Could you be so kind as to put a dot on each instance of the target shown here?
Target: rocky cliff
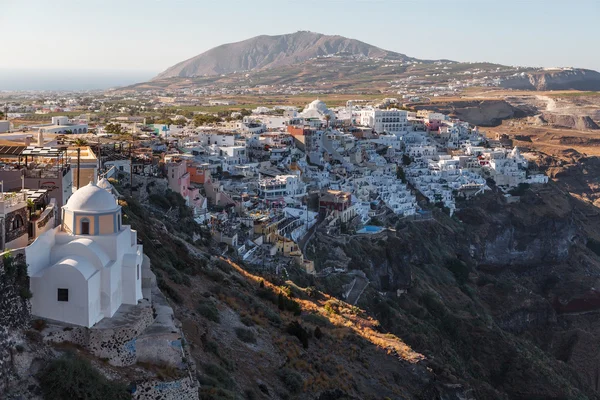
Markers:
(559, 79)
(497, 289)
(480, 113)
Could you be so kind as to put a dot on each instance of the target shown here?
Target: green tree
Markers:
(205, 119)
(400, 174)
(406, 160)
(114, 128)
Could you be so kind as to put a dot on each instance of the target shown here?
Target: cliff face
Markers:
(498, 292)
(569, 79)
(480, 113)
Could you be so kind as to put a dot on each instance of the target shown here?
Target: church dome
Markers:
(92, 199)
(318, 105)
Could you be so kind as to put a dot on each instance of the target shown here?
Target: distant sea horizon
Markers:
(69, 80)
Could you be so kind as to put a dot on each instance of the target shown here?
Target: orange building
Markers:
(198, 173)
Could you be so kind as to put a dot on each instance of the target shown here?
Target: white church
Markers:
(85, 269)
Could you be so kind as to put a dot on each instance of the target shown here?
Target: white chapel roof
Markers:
(93, 199)
(104, 184)
(77, 263)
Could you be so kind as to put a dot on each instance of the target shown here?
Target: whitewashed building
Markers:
(85, 269)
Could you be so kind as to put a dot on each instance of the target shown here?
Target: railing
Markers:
(12, 199)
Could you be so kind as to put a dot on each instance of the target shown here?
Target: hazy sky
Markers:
(151, 35)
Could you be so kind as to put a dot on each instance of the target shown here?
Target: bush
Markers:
(246, 320)
(71, 377)
(594, 246)
(318, 334)
(38, 324)
(220, 375)
(292, 380)
(245, 335)
(295, 329)
(459, 269)
(209, 311)
(317, 320)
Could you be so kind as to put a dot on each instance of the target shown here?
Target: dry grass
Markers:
(347, 321)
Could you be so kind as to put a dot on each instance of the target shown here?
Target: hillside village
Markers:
(263, 180)
(261, 184)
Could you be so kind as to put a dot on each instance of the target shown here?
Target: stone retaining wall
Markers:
(117, 345)
(182, 389)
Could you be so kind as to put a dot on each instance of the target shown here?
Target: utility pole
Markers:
(78, 167)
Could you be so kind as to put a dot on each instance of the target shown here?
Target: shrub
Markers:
(245, 335)
(331, 307)
(71, 377)
(209, 311)
(459, 269)
(317, 320)
(292, 380)
(594, 246)
(295, 329)
(38, 324)
(219, 374)
(212, 347)
(318, 334)
(246, 320)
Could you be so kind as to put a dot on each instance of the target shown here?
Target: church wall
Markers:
(38, 253)
(116, 287)
(78, 219)
(107, 224)
(94, 313)
(45, 300)
(129, 272)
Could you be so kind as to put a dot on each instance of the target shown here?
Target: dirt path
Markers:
(550, 102)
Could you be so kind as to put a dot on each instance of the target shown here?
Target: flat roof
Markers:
(11, 150)
(43, 151)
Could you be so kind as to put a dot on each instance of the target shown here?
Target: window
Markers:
(17, 222)
(85, 226)
(138, 272)
(63, 294)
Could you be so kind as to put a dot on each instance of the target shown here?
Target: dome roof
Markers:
(317, 105)
(92, 199)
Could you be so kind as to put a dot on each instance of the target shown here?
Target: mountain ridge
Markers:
(266, 51)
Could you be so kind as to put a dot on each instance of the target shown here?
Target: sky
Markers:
(151, 35)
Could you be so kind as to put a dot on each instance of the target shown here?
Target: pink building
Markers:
(179, 181)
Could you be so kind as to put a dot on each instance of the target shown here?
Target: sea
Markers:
(69, 80)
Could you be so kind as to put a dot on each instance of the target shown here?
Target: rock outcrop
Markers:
(480, 113)
(568, 121)
(555, 79)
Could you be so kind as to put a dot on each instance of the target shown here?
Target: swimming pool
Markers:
(370, 229)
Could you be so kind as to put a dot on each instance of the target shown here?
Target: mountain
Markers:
(262, 52)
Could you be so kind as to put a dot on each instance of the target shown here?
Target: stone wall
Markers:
(115, 344)
(14, 312)
(181, 389)
(12, 234)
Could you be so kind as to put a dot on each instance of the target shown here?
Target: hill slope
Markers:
(274, 51)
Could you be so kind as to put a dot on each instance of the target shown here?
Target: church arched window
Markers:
(85, 226)
(17, 222)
